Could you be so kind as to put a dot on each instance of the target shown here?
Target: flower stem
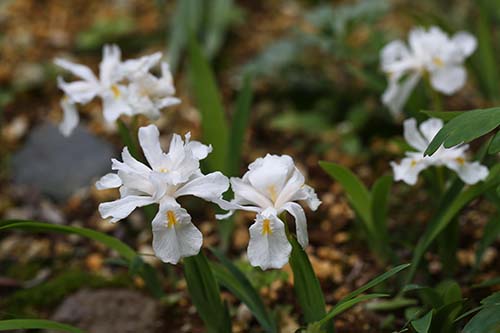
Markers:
(434, 95)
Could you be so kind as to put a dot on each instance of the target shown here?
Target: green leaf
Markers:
(233, 279)
(448, 212)
(372, 283)
(484, 58)
(123, 249)
(495, 144)
(493, 299)
(488, 283)
(444, 317)
(423, 324)
(187, 16)
(136, 264)
(343, 306)
(205, 294)
(239, 127)
(128, 139)
(379, 204)
(486, 321)
(444, 115)
(220, 13)
(490, 234)
(356, 192)
(36, 324)
(465, 128)
(213, 121)
(306, 286)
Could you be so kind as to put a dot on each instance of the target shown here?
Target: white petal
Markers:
(429, 129)
(300, 222)
(79, 70)
(110, 180)
(109, 68)
(413, 136)
(408, 169)
(307, 194)
(121, 208)
(292, 186)
(250, 194)
(199, 150)
(149, 139)
(448, 80)
(270, 174)
(166, 102)
(114, 106)
(397, 93)
(393, 52)
(70, 117)
(469, 172)
(466, 42)
(268, 246)
(140, 66)
(209, 187)
(79, 91)
(174, 236)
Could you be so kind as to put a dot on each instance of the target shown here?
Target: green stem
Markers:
(306, 284)
(205, 294)
(433, 95)
(128, 139)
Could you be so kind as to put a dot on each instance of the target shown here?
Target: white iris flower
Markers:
(428, 53)
(271, 186)
(453, 158)
(125, 88)
(168, 176)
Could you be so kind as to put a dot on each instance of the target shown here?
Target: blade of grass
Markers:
(208, 101)
(37, 324)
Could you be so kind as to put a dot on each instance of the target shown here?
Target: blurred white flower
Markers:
(168, 176)
(453, 158)
(121, 86)
(428, 53)
(271, 186)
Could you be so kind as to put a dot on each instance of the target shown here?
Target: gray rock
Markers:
(58, 166)
(110, 310)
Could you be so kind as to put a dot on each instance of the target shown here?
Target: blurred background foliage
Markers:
(316, 81)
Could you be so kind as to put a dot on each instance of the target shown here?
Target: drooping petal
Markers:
(448, 80)
(81, 71)
(121, 208)
(429, 129)
(469, 172)
(208, 187)
(174, 235)
(308, 195)
(110, 180)
(198, 149)
(79, 91)
(70, 117)
(408, 169)
(268, 246)
(300, 222)
(413, 137)
(397, 93)
(166, 102)
(149, 139)
(466, 42)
